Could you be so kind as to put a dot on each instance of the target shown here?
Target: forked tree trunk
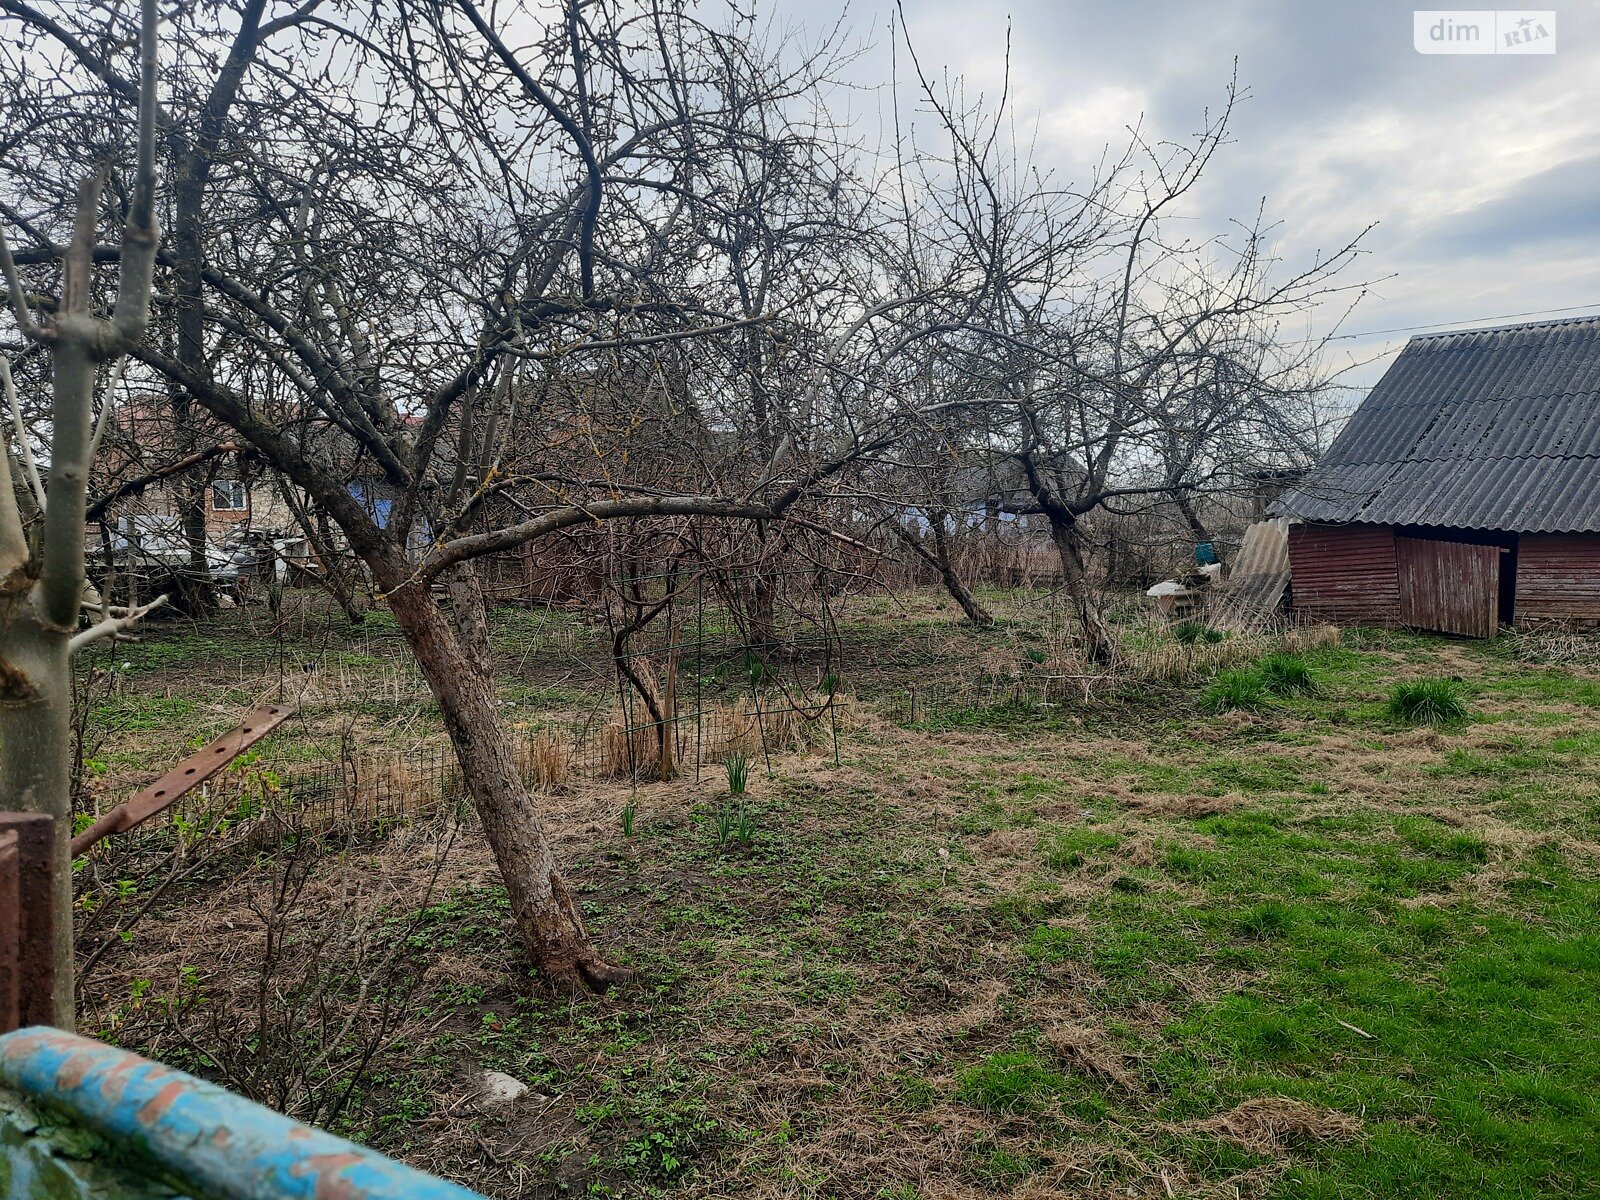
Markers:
(543, 908)
(1098, 639)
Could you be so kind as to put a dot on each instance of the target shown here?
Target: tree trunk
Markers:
(36, 755)
(939, 559)
(197, 592)
(1098, 639)
(640, 677)
(762, 611)
(1191, 518)
(542, 906)
(471, 615)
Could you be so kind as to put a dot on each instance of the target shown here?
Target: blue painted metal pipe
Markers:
(204, 1135)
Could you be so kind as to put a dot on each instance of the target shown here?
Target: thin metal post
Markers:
(699, 667)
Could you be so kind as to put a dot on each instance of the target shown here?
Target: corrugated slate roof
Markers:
(1474, 429)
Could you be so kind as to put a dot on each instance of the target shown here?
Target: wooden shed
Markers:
(1464, 494)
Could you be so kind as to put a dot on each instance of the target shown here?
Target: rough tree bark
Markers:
(471, 614)
(542, 906)
(1099, 641)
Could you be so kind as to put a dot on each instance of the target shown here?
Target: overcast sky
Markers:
(1482, 172)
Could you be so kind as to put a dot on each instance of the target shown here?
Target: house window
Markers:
(227, 495)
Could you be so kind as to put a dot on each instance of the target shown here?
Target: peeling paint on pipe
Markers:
(205, 1136)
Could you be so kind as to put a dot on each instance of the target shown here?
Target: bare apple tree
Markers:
(42, 581)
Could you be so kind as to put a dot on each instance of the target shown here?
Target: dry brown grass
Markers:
(1269, 1124)
(1556, 647)
(807, 1082)
(629, 751)
(1300, 638)
(547, 761)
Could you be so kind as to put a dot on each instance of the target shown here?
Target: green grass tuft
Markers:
(1428, 702)
(1010, 1082)
(1190, 633)
(1287, 675)
(1235, 690)
(738, 768)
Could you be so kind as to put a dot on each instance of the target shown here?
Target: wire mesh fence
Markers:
(682, 695)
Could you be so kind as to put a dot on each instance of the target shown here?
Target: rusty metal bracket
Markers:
(185, 777)
(27, 927)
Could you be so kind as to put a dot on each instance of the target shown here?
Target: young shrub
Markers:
(1193, 633)
(1286, 675)
(1234, 691)
(738, 768)
(1428, 702)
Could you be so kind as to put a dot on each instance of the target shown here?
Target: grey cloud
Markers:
(1560, 205)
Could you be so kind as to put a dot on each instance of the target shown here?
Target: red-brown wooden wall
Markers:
(1558, 576)
(1345, 573)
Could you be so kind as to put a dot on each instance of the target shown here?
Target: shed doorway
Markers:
(1449, 587)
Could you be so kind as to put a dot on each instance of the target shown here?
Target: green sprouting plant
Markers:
(1286, 675)
(1234, 691)
(757, 670)
(629, 811)
(1191, 633)
(1428, 702)
(734, 824)
(738, 768)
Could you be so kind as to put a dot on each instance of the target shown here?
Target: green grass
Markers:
(131, 712)
(1316, 904)
(1428, 702)
(1011, 1082)
(1237, 690)
(1286, 675)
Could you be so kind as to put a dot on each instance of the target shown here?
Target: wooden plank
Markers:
(186, 776)
(1449, 587)
(27, 925)
(1558, 576)
(1345, 573)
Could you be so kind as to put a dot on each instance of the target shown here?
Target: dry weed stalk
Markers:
(1309, 637)
(547, 761)
(310, 989)
(629, 751)
(1555, 647)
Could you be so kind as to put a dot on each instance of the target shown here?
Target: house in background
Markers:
(139, 535)
(1465, 492)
